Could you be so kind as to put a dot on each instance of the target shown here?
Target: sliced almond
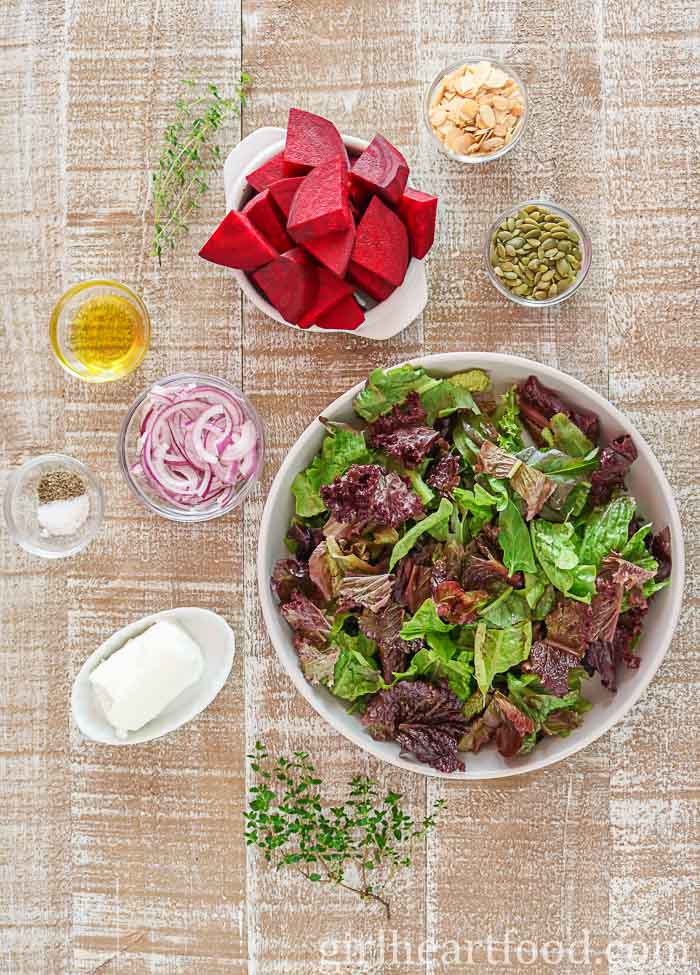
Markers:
(501, 103)
(481, 72)
(487, 117)
(516, 110)
(490, 145)
(500, 130)
(462, 143)
(465, 85)
(496, 78)
(455, 110)
(438, 116)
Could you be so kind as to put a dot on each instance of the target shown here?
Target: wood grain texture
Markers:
(98, 844)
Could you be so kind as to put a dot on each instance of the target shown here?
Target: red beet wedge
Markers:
(381, 243)
(346, 314)
(331, 290)
(320, 205)
(284, 191)
(381, 169)
(369, 283)
(263, 212)
(311, 140)
(418, 211)
(289, 284)
(333, 250)
(272, 171)
(237, 243)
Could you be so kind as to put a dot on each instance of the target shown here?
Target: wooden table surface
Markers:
(99, 844)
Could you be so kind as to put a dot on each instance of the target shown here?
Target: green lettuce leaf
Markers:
(555, 548)
(305, 488)
(540, 596)
(634, 549)
(434, 521)
(356, 671)
(507, 609)
(514, 539)
(445, 398)
(567, 437)
(425, 620)
(496, 651)
(385, 389)
(607, 529)
(355, 676)
(475, 380)
(443, 660)
(507, 420)
(555, 461)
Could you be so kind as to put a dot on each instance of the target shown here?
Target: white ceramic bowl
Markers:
(215, 639)
(381, 322)
(646, 482)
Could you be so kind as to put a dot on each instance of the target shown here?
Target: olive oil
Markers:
(100, 331)
(106, 333)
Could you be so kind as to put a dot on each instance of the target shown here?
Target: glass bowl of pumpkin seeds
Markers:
(537, 253)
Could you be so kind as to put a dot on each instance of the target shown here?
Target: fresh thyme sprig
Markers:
(190, 153)
(358, 845)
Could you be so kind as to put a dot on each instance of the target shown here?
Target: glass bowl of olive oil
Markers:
(100, 331)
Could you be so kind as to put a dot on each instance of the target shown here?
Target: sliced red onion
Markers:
(196, 445)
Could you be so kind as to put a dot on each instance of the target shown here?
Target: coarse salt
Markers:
(63, 517)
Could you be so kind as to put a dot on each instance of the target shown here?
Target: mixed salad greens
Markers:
(464, 561)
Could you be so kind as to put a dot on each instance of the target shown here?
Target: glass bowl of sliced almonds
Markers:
(476, 109)
(537, 253)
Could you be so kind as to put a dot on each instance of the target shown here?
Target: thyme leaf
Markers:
(190, 154)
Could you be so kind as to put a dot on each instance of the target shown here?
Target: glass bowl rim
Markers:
(586, 253)
(180, 515)
(14, 481)
(86, 287)
(477, 159)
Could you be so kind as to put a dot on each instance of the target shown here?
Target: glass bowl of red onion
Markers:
(191, 447)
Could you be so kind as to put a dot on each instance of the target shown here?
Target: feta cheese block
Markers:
(139, 680)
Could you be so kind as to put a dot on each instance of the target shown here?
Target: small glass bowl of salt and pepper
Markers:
(53, 506)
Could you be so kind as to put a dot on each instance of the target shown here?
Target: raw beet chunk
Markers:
(290, 284)
(418, 211)
(346, 314)
(320, 205)
(331, 290)
(333, 250)
(381, 169)
(272, 171)
(311, 140)
(237, 243)
(381, 243)
(284, 191)
(369, 283)
(263, 212)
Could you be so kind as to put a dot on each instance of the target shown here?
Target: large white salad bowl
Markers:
(647, 483)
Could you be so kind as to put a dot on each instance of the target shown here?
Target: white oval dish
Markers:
(381, 322)
(646, 482)
(216, 641)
